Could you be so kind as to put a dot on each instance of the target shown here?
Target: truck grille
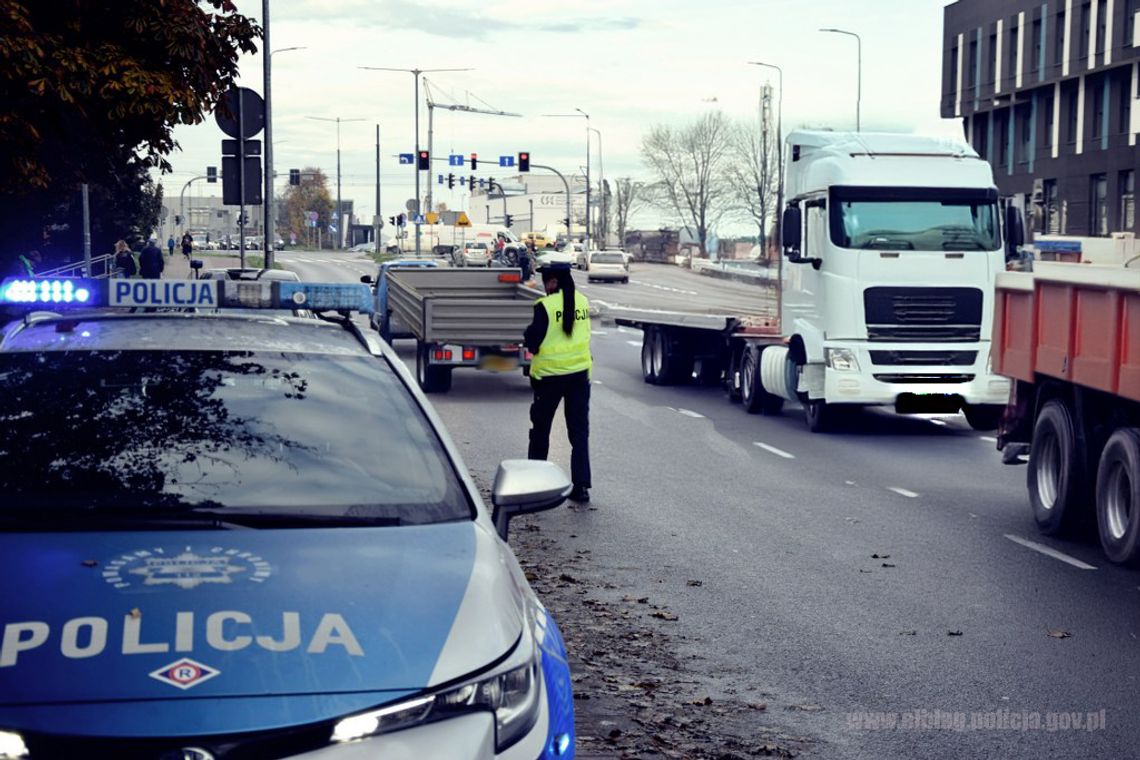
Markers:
(923, 314)
(924, 379)
(924, 358)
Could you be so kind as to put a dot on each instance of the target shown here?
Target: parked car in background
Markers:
(607, 266)
(474, 255)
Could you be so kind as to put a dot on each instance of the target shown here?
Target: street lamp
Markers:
(601, 187)
(574, 116)
(338, 121)
(270, 213)
(416, 76)
(859, 82)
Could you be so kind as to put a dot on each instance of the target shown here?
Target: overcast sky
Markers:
(628, 63)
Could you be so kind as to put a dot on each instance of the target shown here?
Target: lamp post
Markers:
(270, 212)
(859, 80)
(416, 77)
(604, 224)
(580, 112)
(338, 120)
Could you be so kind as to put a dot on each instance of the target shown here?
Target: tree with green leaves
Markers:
(90, 92)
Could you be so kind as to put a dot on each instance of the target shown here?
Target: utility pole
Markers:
(378, 220)
(415, 76)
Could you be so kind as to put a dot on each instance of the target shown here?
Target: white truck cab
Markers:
(893, 243)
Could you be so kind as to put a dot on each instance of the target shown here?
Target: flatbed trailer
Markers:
(462, 318)
(1068, 336)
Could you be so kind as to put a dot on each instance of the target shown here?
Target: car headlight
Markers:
(12, 746)
(511, 694)
(842, 360)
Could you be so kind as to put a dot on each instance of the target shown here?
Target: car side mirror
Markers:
(524, 486)
(366, 279)
(790, 232)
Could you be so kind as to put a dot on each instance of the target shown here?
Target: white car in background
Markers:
(607, 266)
(551, 256)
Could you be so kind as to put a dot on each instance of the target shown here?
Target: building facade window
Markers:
(1129, 23)
(1001, 130)
(1101, 25)
(1051, 217)
(1047, 137)
(991, 67)
(1011, 53)
(972, 65)
(1038, 52)
(1086, 22)
(1094, 96)
(1124, 105)
(1059, 38)
(1025, 135)
(1098, 205)
(1071, 116)
(1127, 187)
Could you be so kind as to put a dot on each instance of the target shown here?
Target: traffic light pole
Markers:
(566, 185)
(416, 220)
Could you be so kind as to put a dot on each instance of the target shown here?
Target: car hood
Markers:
(324, 621)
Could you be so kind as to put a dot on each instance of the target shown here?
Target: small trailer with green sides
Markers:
(1068, 335)
(461, 318)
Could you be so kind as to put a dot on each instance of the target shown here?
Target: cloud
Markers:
(465, 24)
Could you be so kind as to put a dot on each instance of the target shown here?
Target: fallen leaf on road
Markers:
(758, 706)
(865, 571)
(567, 578)
(806, 708)
(880, 556)
(663, 615)
(696, 583)
(1057, 633)
(705, 701)
(953, 633)
(908, 633)
(888, 564)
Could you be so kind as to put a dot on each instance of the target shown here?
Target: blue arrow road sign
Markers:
(407, 158)
(440, 180)
(455, 160)
(506, 160)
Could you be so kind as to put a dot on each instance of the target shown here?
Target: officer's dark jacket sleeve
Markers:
(536, 332)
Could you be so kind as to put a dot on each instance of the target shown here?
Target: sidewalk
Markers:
(178, 266)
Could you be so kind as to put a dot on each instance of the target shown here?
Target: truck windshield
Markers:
(914, 219)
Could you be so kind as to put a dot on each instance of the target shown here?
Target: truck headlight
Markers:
(841, 359)
(511, 694)
(12, 746)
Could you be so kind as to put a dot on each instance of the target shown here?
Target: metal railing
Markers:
(101, 267)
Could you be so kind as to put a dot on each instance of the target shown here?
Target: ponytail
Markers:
(566, 285)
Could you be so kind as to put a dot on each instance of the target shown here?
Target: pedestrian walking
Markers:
(187, 245)
(170, 245)
(525, 263)
(151, 262)
(124, 260)
(559, 339)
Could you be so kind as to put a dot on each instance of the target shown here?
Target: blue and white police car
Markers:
(228, 533)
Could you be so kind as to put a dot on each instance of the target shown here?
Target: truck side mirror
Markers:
(790, 228)
(1014, 232)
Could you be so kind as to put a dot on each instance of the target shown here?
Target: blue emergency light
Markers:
(185, 294)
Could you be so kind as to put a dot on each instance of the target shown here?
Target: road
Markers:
(888, 568)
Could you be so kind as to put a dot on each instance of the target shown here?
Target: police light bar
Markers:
(186, 294)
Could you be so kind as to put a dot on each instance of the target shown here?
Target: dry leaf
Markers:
(888, 564)
(880, 556)
(696, 583)
(953, 633)
(1057, 633)
(662, 615)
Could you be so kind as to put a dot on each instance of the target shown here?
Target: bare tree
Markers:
(688, 165)
(629, 197)
(753, 175)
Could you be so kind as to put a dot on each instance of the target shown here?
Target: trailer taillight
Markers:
(468, 354)
(443, 355)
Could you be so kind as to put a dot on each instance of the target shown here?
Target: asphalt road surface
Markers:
(865, 582)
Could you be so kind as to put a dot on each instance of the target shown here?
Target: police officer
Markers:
(559, 338)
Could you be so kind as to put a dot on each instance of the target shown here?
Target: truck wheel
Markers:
(983, 417)
(819, 415)
(670, 366)
(647, 372)
(755, 399)
(431, 379)
(732, 377)
(1056, 470)
(1118, 497)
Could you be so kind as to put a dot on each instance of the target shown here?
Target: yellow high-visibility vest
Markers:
(562, 354)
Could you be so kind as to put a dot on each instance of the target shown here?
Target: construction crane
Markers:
(432, 105)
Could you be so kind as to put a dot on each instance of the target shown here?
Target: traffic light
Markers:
(178, 219)
(294, 176)
(507, 220)
(424, 162)
(392, 221)
(474, 161)
(450, 181)
(471, 183)
(211, 174)
(524, 162)
(566, 221)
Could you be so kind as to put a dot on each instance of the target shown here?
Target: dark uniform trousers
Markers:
(575, 391)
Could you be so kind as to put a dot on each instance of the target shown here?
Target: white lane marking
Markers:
(628, 331)
(987, 438)
(599, 332)
(665, 288)
(903, 492)
(807, 292)
(634, 343)
(1049, 552)
(774, 450)
(689, 413)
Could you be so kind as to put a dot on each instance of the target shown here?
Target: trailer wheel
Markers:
(983, 417)
(1118, 497)
(1056, 470)
(755, 398)
(670, 366)
(430, 378)
(647, 372)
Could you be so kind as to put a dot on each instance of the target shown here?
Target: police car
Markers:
(243, 535)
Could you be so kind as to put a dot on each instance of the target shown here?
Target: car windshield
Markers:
(211, 429)
(914, 219)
